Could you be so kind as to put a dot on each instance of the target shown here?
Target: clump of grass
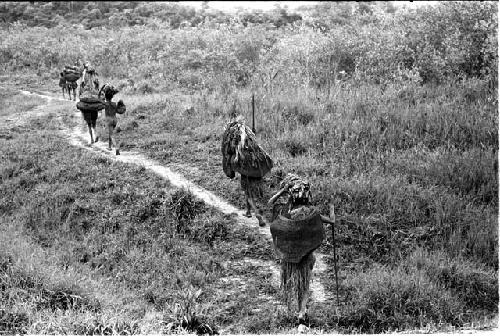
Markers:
(184, 207)
(208, 229)
(189, 314)
(21, 288)
(391, 300)
(97, 327)
(294, 147)
(475, 286)
(150, 206)
(66, 298)
(297, 114)
(13, 322)
(44, 219)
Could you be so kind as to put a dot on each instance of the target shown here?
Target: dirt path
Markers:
(80, 139)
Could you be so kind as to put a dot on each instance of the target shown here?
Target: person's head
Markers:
(109, 91)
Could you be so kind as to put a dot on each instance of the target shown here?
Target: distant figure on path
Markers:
(297, 230)
(241, 153)
(68, 80)
(90, 103)
(110, 111)
(71, 86)
(62, 84)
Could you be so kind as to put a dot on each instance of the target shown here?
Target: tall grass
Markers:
(411, 169)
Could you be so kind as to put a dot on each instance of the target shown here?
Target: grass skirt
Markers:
(295, 279)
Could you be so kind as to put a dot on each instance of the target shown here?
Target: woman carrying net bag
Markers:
(90, 102)
(297, 230)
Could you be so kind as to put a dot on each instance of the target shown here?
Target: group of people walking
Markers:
(92, 99)
(296, 226)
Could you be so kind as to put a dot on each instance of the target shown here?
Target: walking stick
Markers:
(332, 216)
(253, 113)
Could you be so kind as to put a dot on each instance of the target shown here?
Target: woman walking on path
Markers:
(241, 153)
(297, 231)
(90, 104)
(62, 84)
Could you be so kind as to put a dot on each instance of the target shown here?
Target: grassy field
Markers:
(412, 172)
(92, 246)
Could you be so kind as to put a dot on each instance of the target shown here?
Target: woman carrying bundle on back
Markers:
(90, 103)
(297, 231)
(241, 153)
(70, 76)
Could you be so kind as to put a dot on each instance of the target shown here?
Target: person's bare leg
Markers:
(247, 201)
(96, 137)
(303, 306)
(302, 301)
(110, 136)
(90, 132)
(115, 143)
(94, 125)
(259, 214)
(63, 92)
(74, 94)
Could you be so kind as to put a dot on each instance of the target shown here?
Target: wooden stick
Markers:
(332, 216)
(253, 113)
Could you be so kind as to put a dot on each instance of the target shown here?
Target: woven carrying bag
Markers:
(90, 107)
(71, 73)
(293, 239)
(71, 76)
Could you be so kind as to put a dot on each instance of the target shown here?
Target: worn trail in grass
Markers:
(79, 138)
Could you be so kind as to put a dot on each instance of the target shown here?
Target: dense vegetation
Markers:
(390, 111)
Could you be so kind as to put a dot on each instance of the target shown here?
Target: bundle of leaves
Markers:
(297, 188)
(242, 153)
(302, 212)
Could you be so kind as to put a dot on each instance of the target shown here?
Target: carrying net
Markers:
(297, 234)
(295, 240)
(241, 153)
(90, 107)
